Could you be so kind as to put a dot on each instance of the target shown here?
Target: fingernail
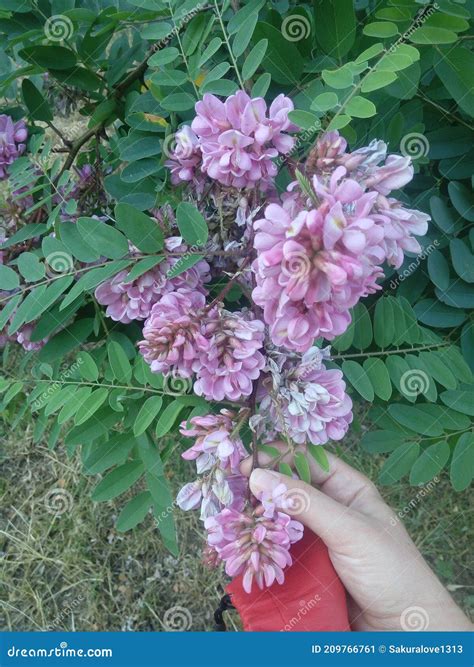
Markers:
(261, 479)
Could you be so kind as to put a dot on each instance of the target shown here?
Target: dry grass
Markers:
(75, 572)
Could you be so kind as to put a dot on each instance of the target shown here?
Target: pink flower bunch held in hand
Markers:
(254, 542)
(251, 537)
(299, 261)
(12, 142)
(234, 142)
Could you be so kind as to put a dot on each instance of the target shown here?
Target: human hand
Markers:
(389, 584)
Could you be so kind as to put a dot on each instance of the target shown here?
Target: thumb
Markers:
(333, 522)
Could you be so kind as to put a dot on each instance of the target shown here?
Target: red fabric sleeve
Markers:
(312, 597)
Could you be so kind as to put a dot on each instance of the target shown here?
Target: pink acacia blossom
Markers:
(234, 142)
(12, 142)
(305, 401)
(319, 253)
(186, 156)
(232, 360)
(133, 300)
(311, 269)
(215, 440)
(218, 451)
(172, 334)
(254, 542)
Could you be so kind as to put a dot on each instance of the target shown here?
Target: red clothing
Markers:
(312, 597)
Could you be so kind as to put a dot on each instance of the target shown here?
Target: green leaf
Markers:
(37, 106)
(134, 512)
(30, 267)
(338, 78)
(109, 453)
(142, 231)
(432, 35)
(261, 85)
(119, 362)
(359, 107)
(72, 404)
(370, 53)
(436, 314)
(455, 68)
(168, 417)
(244, 34)
(415, 419)
(49, 57)
(358, 378)
(462, 464)
(379, 377)
(91, 405)
(460, 400)
(375, 80)
(304, 119)
(362, 327)
(379, 442)
(254, 59)
(76, 245)
(381, 29)
(136, 146)
(438, 369)
(9, 279)
(191, 224)
(178, 102)
(108, 241)
(87, 366)
(463, 260)
(67, 340)
(285, 469)
(431, 461)
(147, 414)
(118, 481)
(213, 46)
(399, 463)
(325, 102)
(282, 60)
(142, 266)
(99, 425)
(302, 467)
(438, 268)
(319, 455)
(384, 323)
(335, 22)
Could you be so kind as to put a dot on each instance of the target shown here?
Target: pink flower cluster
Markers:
(303, 400)
(133, 300)
(254, 542)
(233, 142)
(12, 142)
(250, 537)
(218, 451)
(182, 336)
(319, 252)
